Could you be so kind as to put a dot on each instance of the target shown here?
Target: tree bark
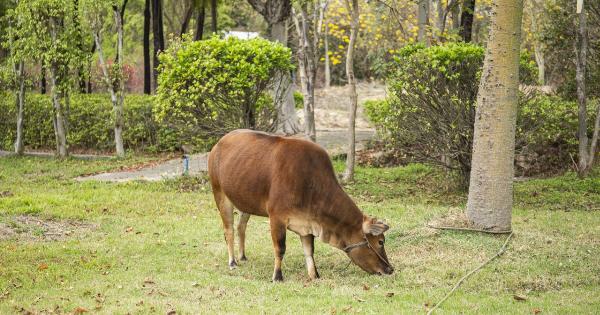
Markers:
(466, 20)
(58, 118)
(146, 43)
(200, 21)
(327, 61)
(587, 148)
(159, 39)
(20, 98)
(120, 84)
(423, 21)
(43, 83)
(213, 15)
(489, 204)
(186, 19)
(350, 157)
(538, 46)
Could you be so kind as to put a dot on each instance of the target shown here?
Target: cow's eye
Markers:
(381, 242)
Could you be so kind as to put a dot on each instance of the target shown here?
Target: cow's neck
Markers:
(344, 224)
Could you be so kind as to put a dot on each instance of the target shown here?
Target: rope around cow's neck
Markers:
(350, 247)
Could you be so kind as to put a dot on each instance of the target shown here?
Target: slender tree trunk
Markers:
(327, 61)
(489, 205)
(440, 19)
(538, 46)
(186, 19)
(455, 10)
(146, 40)
(200, 22)
(159, 40)
(20, 97)
(466, 20)
(307, 71)
(213, 15)
(43, 83)
(587, 150)
(60, 131)
(120, 88)
(423, 21)
(350, 157)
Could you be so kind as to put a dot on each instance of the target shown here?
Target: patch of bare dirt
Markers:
(331, 105)
(32, 228)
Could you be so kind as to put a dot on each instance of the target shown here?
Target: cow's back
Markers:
(254, 170)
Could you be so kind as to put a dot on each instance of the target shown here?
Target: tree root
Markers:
(499, 253)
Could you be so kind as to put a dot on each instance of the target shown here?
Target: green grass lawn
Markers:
(154, 247)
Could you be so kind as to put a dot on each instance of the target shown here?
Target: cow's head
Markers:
(369, 254)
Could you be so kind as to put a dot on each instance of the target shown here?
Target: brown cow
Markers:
(292, 182)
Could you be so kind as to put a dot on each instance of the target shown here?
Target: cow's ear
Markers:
(374, 227)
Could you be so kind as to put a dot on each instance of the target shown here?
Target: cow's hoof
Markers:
(243, 258)
(277, 276)
(232, 265)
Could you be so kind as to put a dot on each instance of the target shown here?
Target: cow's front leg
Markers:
(308, 244)
(278, 230)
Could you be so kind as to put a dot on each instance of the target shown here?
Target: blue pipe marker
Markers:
(186, 164)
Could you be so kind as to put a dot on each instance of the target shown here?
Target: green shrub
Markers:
(207, 88)
(431, 108)
(298, 100)
(90, 123)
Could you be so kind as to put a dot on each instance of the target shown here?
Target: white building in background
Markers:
(241, 34)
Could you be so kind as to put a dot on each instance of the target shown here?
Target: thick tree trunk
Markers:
(327, 61)
(200, 22)
(159, 39)
(213, 15)
(146, 43)
(466, 20)
(423, 21)
(20, 98)
(350, 157)
(489, 205)
(286, 109)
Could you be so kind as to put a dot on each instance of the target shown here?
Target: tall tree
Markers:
(489, 205)
(350, 157)
(146, 43)
(587, 147)
(535, 10)
(466, 20)
(17, 77)
(213, 15)
(308, 24)
(200, 16)
(159, 38)
(327, 61)
(276, 13)
(423, 21)
(113, 77)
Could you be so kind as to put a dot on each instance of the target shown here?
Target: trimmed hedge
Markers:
(90, 124)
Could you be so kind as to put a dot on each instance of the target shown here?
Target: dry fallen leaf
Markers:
(43, 266)
(389, 294)
(171, 312)
(79, 310)
(129, 229)
(359, 299)
(536, 310)
(148, 281)
(520, 297)
(347, 308)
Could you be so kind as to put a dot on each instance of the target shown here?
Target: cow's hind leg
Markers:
(278, 230)
(226, 210)
(308, 244)
(241, 228)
